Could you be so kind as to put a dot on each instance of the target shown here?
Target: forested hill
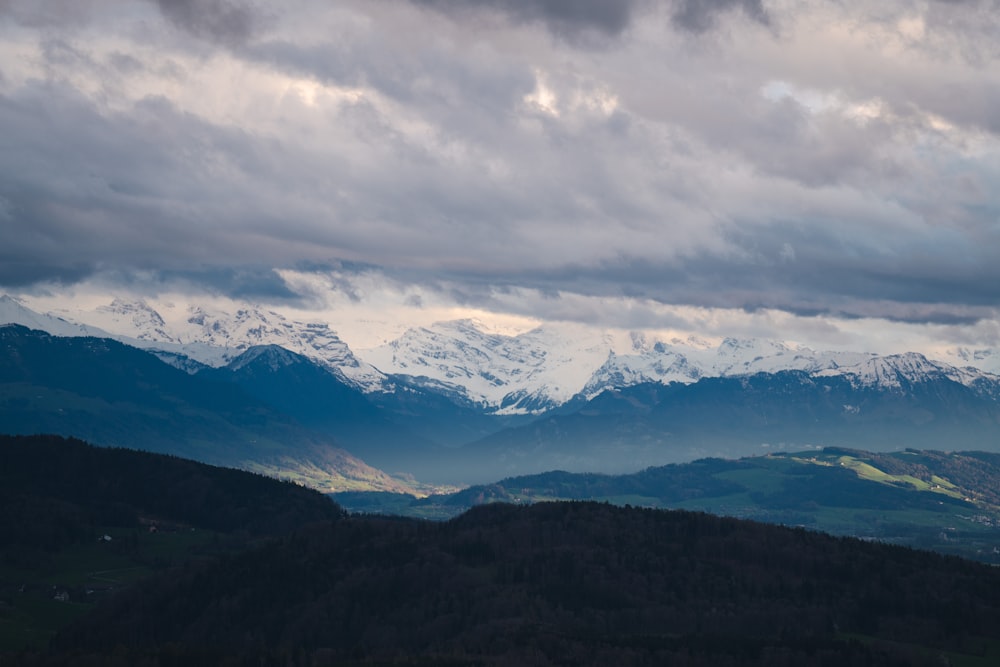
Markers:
(57, 490)
(79, 524)
(557, 584)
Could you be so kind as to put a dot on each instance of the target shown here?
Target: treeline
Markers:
(55, 491)
(553, 584)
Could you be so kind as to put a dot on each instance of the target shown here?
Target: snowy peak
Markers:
(900, 371)
(138, 316)
(213, 337)
(745, 347)
(13, 311)
(889, 372)
(660, 364)
(749, 356)
(526, 373)
(245, 328)
(547, 366)
(457, 355)
(520, 374)
(230, 334)
(736, 356)
(688, 361)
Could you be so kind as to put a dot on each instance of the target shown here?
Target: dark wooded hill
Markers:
(555, 584)
(80, 523)
(54, 491)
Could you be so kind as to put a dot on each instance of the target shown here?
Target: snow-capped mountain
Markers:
(522, 374)
(658, 363)
(530, 372)
(898, 371)
(13, 311)
(691, 359)
(233, 333)
(545, 367)
(747, 356)
(209, 336)
(137, 317)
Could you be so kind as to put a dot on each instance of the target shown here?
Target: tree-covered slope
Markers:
(559, 584)
(103, 486)
(80, 523)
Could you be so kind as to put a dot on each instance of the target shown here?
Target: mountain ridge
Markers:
(524, 374)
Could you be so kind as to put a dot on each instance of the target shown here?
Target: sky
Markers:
(815, 171)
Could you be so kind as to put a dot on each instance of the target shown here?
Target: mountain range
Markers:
(455, 403)
(528, 373)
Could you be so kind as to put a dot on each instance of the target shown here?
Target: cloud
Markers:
(566, 19)
(610, 19)
(225, 21)
(52, 13)
(495, 166)
(257, 284)
(701, 15)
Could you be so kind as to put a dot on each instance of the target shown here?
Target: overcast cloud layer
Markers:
(538, 157)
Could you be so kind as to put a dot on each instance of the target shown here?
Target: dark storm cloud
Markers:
(17, 270)
(801, 288)
(246, 282)
(572, 18)
(701, 15)
(224, 21)
(562, 17)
